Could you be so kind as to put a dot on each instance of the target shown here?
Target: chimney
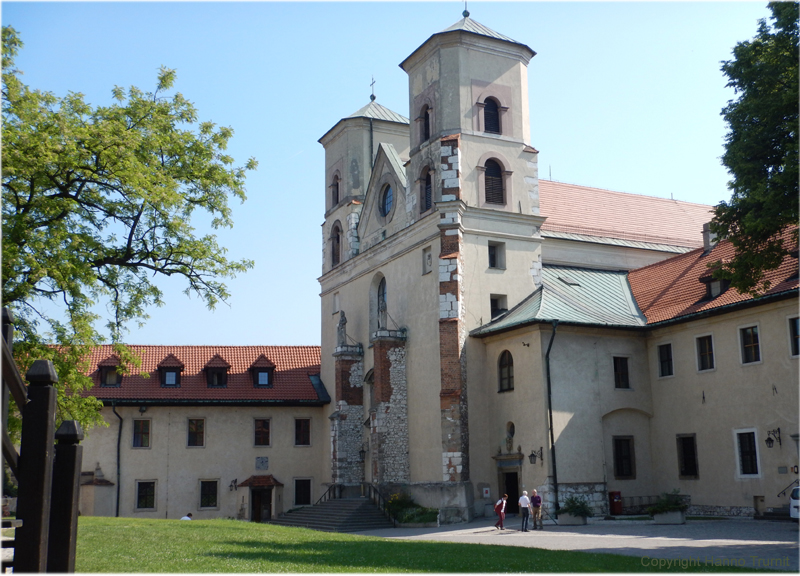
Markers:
(709, 238)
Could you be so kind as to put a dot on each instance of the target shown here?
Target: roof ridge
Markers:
(637, 194)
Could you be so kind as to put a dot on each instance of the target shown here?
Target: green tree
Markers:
(761, 150)
(97, 201)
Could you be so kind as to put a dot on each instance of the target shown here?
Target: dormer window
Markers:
(170, 377)
(109, 377)
(217, 377)
(263, 371)
(714, 287)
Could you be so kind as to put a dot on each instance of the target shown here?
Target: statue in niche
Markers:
(382, 315)
(341, 330)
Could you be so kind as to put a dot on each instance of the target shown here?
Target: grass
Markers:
(138, 545)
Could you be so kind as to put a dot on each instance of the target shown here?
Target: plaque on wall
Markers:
(262, 462)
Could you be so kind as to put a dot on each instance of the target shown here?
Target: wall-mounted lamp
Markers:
(534, 454)
(142, 409)
(233, 485)
(362, 454)
(773, 434)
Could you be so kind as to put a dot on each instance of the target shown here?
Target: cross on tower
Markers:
(372, 84)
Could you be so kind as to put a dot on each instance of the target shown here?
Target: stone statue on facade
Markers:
(341, 330)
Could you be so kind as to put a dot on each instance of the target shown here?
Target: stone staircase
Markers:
(337, 515)
(775, 514)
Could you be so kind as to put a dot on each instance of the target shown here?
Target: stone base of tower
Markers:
(453, 499)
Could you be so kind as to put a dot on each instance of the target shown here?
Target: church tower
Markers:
(439, 237)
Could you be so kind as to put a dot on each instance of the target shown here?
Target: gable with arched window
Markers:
(505, 372)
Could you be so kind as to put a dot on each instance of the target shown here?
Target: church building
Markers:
(480, 330)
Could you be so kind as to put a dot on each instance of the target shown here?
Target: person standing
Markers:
(500, 509)
(536, 507)
(524, 509)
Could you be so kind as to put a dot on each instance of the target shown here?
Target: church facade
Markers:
(472, 313)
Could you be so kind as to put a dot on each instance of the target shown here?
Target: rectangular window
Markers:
(624, 462)
(262, 432)
(621, 372)
(687, 456)
(302, 492)
(705, 353)
(748, 456)
(110, 377)
(302, 432)
(750, 350)
(141, 433)
(497, 305)
(170, 378)
(208, 494)
(427, 261)
(217, 378)
(794, 335)
(196, 432)
(665, 360)
(146, 495)
(497, 255)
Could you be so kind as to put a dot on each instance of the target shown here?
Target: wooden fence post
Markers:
(36, 468)
(66, 494)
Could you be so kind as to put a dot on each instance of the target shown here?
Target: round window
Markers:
(386, 201)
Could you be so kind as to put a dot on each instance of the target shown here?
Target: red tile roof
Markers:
(296, 375)
(260, 481)
(672, 288)
(604, 213)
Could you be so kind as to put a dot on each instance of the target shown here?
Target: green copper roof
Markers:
(378, 112)
(574, 295)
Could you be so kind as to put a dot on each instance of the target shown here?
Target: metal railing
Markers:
(333, 492)
(371, 491)
(792, 485)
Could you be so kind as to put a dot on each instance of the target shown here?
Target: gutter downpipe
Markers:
(550, 415)
(119, 441)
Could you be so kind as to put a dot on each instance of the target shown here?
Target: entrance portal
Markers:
(260, 504)
(511, 487)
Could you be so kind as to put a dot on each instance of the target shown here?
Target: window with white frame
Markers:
(665, 367)
(751, 351)
(705, 352)
(141, 433)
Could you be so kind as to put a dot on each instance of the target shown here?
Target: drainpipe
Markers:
(119, 441)
(550, 414)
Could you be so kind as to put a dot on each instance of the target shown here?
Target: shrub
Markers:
(402, 508)
(577, 506)
(668, 502)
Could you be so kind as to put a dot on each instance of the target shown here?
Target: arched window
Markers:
(426, 192)
(336, 245)
(495, 194)
(491, 116)
(505, 369)
(386, 200)
(425, 116)
(335, 191)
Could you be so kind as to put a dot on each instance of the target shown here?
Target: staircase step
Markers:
(338, 515)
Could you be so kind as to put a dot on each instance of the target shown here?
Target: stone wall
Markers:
(595, 493)
(389, 417)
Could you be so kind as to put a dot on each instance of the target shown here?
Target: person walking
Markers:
(524, 509)
(536, 508)
(500, 509)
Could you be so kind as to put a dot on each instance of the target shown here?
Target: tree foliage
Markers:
(97, 202)
(761, 150)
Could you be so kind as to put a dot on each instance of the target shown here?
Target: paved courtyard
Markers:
(739, 542)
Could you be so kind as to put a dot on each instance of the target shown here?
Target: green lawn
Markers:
(136, 545)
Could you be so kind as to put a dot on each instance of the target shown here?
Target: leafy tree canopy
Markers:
(97, 202)
(761, 150)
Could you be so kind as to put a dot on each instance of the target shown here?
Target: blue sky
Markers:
(623, 96)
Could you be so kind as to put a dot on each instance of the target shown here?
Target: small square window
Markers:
(141, 433)
(262, 377)
(262, 432)
(217, 377)
(170, 377)
(705, 353)
(665, 360)
(621, 379)
(109, 377)
(302, 432)
(750, 348)
(208, 493)
(145, 495)
(196, 432)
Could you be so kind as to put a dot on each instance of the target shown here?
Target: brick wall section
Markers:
(452, 331)
(389, 418)
(346, 422)
(451, 167)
